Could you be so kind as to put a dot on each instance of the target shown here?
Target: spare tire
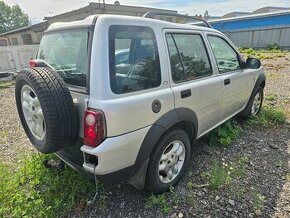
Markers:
(46, 109)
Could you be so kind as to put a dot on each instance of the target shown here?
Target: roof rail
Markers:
(153, 14)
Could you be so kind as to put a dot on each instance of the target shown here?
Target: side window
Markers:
(188, 57)
(134, 59)
(226, 57)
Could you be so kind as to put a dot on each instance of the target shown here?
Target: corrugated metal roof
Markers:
(252, 16)
(274, 19)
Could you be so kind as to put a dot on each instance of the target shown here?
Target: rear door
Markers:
(193, 82)
(236, 81)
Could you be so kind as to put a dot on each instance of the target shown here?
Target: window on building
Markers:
(14, 41)
(188, 57)
(134, 59)
(226, 57)
(26, 38)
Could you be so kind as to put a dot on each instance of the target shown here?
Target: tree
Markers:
(12, 17)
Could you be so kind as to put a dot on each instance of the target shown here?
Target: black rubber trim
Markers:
(261, 78)
(164, 123)
(74, 157)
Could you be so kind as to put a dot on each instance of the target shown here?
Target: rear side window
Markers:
(188, 57)
(134, 59)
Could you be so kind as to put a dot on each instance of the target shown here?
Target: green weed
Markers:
(222, 174)
(273, 47)
(35, 191)
(225, 134)
(6, 84)
(268, 116)
(271, 97)
(259, 200)
(160, 201)
(217, 177)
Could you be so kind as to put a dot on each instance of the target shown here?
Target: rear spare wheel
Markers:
(46, 109)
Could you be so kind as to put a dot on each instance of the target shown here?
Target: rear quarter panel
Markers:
(126, 112)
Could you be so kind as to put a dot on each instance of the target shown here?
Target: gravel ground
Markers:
(261, 190)
(13, 141)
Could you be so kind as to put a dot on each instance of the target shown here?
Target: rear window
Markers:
(134, 59)
(67, 52)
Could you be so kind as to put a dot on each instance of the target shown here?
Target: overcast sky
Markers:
(37, 9)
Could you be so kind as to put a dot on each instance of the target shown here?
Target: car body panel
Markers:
(130, 119)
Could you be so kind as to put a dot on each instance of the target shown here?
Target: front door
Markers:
(193, 82)
(235, 79)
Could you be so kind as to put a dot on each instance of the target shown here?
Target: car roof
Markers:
(91, 20)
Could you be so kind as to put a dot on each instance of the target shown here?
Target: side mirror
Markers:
(253, 63)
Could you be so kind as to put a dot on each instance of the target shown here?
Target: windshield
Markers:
(67, 53)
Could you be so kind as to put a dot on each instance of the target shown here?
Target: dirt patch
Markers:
(278, 82)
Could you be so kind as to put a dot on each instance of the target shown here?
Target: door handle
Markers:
(227, 81)
(185, 93)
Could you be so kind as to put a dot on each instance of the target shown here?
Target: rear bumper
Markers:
(115, 154)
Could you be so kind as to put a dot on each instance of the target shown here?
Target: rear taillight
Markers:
(32, 63)
(94, 127)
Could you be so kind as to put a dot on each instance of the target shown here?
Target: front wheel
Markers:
(169, 161)
(254, 106)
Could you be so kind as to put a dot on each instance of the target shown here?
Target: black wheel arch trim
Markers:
(163, 124)
(261, 78)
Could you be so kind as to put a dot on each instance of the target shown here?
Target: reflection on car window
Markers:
(226, 57)
(188, 57)
(134, 59)
(67, 52)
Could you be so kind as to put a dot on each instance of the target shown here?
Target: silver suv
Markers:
(124, 98)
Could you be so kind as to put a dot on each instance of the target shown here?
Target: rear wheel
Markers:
(46, 109)
(169, 161)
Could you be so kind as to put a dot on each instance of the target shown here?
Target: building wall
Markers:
(18, 38)
(95, 8)
(14, 58)
(261, 38)
(257, 32)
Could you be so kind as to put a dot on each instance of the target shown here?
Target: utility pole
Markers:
(104, 7)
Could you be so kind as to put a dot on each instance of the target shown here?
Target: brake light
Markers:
(94, 127)
(32, 63)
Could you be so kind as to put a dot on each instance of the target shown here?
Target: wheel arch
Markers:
(182, 118)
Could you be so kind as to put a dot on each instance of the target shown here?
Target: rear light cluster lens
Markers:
(32, 63)
(94, 127)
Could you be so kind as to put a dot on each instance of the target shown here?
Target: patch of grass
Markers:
(35, 191)
(259, 200)
(3, 136)
(159, 201)
(279, 163)
(217, 177)
(222, 174)
(102, 203)
(273, 47)
(6, 84)
(225, 134)
(265, 54)
(270, 97)
(268, 116)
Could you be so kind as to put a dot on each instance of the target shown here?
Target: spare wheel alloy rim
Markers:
(171, 161)
(33, 112)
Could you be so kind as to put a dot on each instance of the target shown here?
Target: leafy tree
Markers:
(12, 17)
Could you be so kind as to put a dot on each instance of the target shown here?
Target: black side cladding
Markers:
(61, 120)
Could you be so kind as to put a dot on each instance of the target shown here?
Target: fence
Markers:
(15, 58)
(261, 38)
